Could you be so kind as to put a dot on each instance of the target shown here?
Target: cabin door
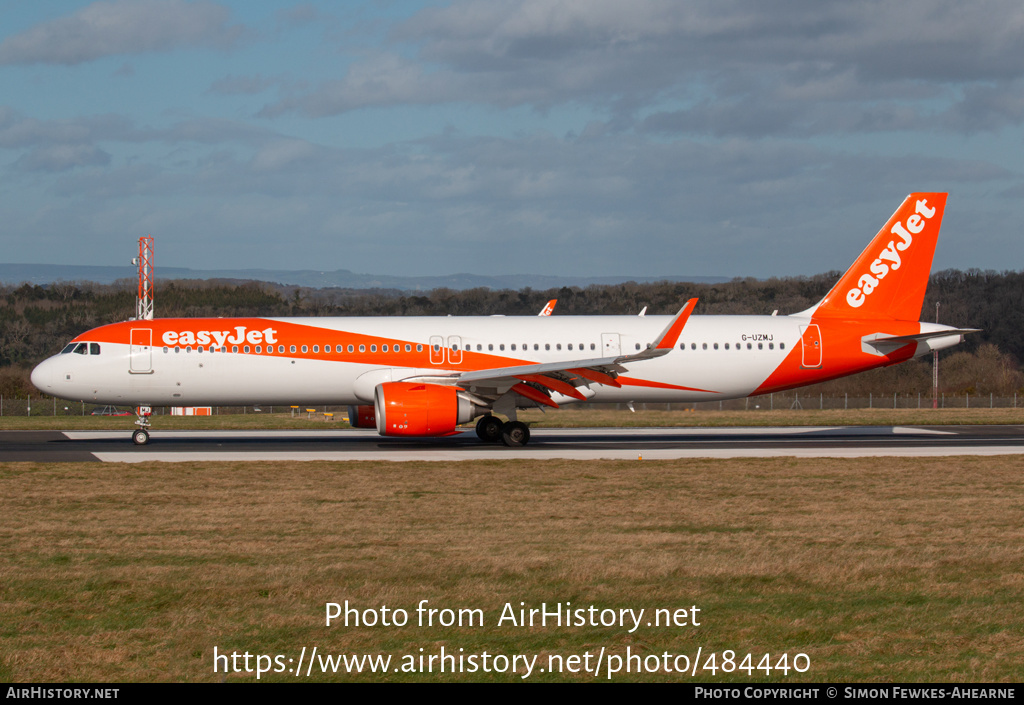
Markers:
(811, 339)
(141, 351)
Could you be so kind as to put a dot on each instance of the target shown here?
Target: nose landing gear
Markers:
(140, 436)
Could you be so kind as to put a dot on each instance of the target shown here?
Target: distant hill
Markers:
(341, 278)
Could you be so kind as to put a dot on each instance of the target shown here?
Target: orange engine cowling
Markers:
(362, 416)
(416, 409)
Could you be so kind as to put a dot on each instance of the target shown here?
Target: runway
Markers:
(546, 443)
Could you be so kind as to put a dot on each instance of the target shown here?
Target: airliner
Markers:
(426, 376)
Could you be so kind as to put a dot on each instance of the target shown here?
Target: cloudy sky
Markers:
(604, 137)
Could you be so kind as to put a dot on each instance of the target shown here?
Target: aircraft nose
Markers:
(42, 376)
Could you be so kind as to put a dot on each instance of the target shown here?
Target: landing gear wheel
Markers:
(140, 437)
(488, 429)
(515, 434)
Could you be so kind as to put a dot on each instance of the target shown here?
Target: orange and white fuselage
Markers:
(426, 374)
(178, 362)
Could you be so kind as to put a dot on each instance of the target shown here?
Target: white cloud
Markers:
(117, 27)
(809, 67)
(62, 157)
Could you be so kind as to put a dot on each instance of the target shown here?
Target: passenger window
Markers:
(234, 349)
(782, 346)
(245, 349)
(408, 348)
(383, 348)
(351, 348)
(727, 346)
(305, 348)
(513, 346)
(570, 346)
(419, 348)
(316, 349)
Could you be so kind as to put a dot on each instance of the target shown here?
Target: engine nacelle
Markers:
(418, 409)
(362, 416)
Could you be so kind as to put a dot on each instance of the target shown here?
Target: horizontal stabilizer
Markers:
(920, 337)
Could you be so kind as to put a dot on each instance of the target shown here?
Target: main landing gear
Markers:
(514, 434)
(140, 436)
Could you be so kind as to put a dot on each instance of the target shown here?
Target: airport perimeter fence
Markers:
(48, 406)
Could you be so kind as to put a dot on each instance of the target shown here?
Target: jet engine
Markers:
(419, 409)
(362, 416)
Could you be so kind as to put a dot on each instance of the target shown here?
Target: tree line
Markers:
(36, 321)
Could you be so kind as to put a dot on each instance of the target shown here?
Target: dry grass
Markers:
(889, 570)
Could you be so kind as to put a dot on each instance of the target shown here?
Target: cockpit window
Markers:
(81, 348)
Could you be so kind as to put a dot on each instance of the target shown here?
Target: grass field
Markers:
(563, 418)
(877, 570)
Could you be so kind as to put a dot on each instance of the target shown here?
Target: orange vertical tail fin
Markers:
(889, 278)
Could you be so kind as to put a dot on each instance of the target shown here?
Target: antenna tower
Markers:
(144, 302)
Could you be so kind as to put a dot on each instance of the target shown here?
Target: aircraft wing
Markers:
(565, 376)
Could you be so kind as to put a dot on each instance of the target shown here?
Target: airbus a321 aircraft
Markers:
(424, 376)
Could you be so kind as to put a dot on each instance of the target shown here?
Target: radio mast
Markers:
(144, 302)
